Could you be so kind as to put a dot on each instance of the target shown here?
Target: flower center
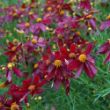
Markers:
(49, 9)
(31, 13)
(27, 24)
(31, 87)
(89, 16)
(38, 19)
(1, 105)
(3, 85)
(72, 55)
(62, 12)
(36, 66)
(14, 106)
(14, 14)
(13, 48)
(78, 33)
(108, 17)
(82, 58)
(57, 63)
(15, 41)
(10, 65)
(34, 41)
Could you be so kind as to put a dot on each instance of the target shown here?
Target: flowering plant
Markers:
(51, 47)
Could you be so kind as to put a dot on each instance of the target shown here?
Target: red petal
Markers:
(72, 48)
(57, 84)
(108, 57)
(90, 69)
(73, 65)
(104, 48)
(80, 69)
(105, 25)
(17, 72)
(89, 48)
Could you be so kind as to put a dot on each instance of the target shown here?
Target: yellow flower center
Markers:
(31, 13)
(3, 68)
(38, 19)
(78, 33)
(14, 14)
(34, 41)
(3, 85)
(108, 17)
(57, 63)
(82, 58)
(15, 41)
(1, 105)
(14, 106)
(89, 16)
(31, 87)
(89, 28)
(10, 65)
(13, 48)
(36, 66)
(72, 55)
(81, 19)
(27, 24)
(62, 12)
(49, 9)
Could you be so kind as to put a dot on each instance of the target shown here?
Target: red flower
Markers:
(12, 69)
(33, 85)
(16, 93)
(13, 50)
(84, 61)
(9, 104)
(105, 25)
(85, 4)
(58, 71)
(104, 49)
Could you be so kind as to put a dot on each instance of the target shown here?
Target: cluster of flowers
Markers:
(53, 50)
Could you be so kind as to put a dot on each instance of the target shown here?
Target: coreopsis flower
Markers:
(34, 43)
(85, 4)
(57, 9)
(8, 104)
(70, 53)
(12, 13)
(66, 25)
(58, 71)
(4, 84)
(33, 85)
(38, 27)
(25, 26)
(105, 24)
(84, 61)
(10, 69)
(104, 49)
(12, 51)
(89, 20)
(17, 93)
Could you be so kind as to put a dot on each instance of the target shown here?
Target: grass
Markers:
(85, 94)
